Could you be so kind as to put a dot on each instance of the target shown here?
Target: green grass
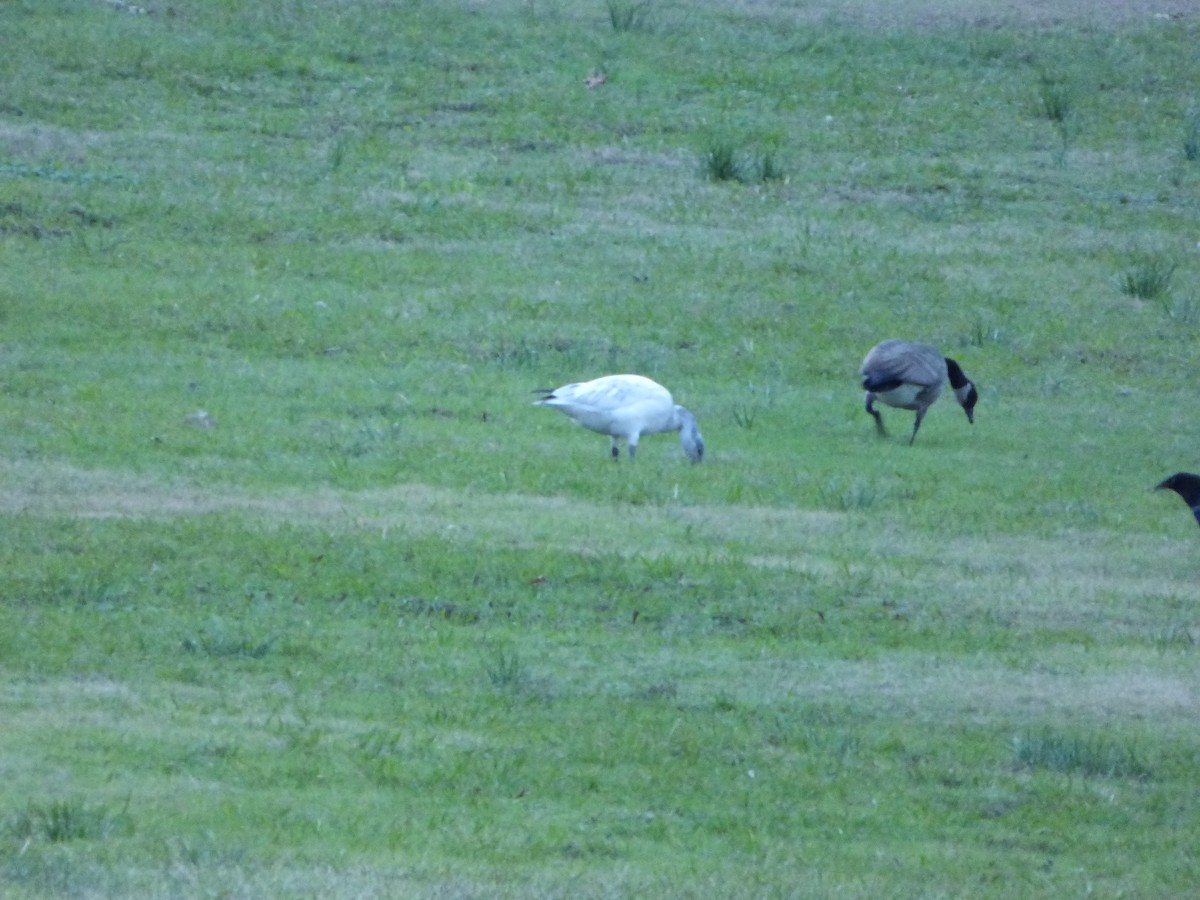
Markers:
(628, 15)
(1191, 138)
(1149, 278)
(1056, 100)
(301, 596)
(1090, 756)
(721, 162)
(61, 821)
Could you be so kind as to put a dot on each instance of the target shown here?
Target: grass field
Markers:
(301, 597)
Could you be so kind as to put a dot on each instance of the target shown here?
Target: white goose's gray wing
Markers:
(615, 391)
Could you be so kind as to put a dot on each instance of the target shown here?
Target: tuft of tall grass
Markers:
(747, 408)
(982, 332)
(744, 414)
(846, 496)
(721, 163)
(379, 756)
(1093, 756)
(505, 670)
(1184, 311)
(628, 15)
(768, 167)
(1055, 99)
(337, 152)
(216, 643)
(60, 821)
(1148, 278)
(1191, 139)
(724, 162)
(1175, 637)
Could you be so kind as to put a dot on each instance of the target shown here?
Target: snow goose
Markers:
(911, 376)
(626, 406)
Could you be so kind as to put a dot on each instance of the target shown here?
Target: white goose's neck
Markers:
(689, 434)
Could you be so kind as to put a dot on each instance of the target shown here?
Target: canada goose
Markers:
(626, 406)
(1187, 486)
(911, 376)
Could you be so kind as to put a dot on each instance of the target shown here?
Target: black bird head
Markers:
(1187, 486)
(968, 404)
(963, 387)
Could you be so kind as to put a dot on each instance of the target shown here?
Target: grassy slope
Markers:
(387, 628)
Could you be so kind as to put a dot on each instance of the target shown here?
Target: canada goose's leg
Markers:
(632, 449)
(916, 425)
(616, 451)
(870, 407)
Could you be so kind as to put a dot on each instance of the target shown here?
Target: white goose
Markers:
(626, 406)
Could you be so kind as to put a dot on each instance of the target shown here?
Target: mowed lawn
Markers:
(301, 595)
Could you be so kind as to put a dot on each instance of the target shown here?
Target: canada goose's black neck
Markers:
(964, 389)
(957, 378)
